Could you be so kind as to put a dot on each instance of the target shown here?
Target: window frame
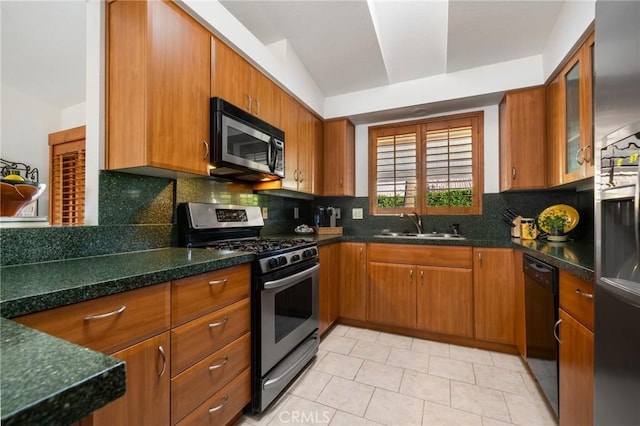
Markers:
(477, 167)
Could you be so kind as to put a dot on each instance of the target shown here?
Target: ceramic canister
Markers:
(528, 229)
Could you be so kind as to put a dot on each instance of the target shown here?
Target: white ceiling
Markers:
(354, 45)
(44, 49)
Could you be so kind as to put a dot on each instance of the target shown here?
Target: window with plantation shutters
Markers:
(431, 166)
(67, 177)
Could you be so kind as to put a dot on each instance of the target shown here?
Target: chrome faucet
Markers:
(415, 219)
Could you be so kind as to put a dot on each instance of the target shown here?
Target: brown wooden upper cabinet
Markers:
(155, 116)
(570, 118)
(339, 157)
(522, 140)
(238, 82)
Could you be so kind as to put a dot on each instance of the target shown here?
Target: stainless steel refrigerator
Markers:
(617, 209)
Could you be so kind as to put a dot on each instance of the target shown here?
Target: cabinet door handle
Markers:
(411, 275)
(556, 327)
(108, 314)
(480, 258)
(219, 406)
(587, 150)
(206, 150)
(422, 277)
(249, 103)
(219, 323)
(580, 157)
(216, 282)
(164, 360)
(295, 175)
(513, 173)
(300, 176)
(220, 364)
(257, 107)
(341, 184)
(585, 295)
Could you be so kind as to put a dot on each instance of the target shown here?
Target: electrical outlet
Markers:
(356, 213)
(296, 213)
(337, 213)
(265, 213)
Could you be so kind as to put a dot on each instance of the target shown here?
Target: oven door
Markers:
(288, 314)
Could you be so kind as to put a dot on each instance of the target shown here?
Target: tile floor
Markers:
(365, 377)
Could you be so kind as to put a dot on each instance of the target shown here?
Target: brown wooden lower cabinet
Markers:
(146, 401)
(576, 372)
(352, 290)
(392, 294)
(328, 286)
(445, 300)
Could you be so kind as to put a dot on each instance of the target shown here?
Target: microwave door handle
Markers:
(270, 153)
(273, 154)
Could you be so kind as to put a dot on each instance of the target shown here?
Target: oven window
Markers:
(293, 307)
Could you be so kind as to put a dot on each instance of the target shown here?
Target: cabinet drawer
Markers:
(576, 297)
(224, 405)
(201, 337)
(194, 296)
(193, 386)
(455, 257)
(108, 324)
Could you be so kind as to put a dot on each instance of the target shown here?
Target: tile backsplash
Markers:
(139, 213)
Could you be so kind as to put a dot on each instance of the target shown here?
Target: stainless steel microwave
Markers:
(244, 147)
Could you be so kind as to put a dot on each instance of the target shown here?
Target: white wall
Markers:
(73, 116)
(26, 124)
(491, 151)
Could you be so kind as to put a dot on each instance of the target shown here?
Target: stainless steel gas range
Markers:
(284, 291)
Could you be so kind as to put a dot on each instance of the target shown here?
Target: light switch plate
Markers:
(356, 213)
(265, 213)
(337, 213)
(296, 213)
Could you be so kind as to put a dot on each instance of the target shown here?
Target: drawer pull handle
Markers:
(108, 314)
(164, 360)
(585, 295)
(220, 364)
(222, 281)
(222, 404)
(556, 326)
(219, 323)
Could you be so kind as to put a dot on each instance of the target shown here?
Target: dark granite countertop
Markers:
(34, 287)
(46, 380)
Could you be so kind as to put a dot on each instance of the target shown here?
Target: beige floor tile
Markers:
(476, 356)
(337, 344)
(500, 379)
(346, 395)
(339, 365)
(451, 369)
(346, 419)
(508, 361)
(340, 330)
(404, 358)
(440, 415)
(429, 347)
(300, 411)
(476, 399)
(310, 384)
(487, 421)
(390, 408)
(525, 411)
(266, 416)
(370, 350)
(380, 375)
(363, 334)
(397, 341)
(427, 387)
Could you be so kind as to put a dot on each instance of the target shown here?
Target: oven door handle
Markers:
(292, 279)
(293, 367)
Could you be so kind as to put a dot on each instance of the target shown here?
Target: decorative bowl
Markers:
(14, 195)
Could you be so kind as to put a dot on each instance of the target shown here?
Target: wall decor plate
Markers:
(572, 216)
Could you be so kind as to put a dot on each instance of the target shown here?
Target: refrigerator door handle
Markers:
(625, 290)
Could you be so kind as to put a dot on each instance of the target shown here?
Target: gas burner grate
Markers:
(263, 245)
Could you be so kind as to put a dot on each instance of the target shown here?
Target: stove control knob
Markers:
(307, 253)
(314, 252)
(282, 261)
(273, 263)
(295, 257)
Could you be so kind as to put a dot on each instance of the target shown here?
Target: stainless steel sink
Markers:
(429, 236)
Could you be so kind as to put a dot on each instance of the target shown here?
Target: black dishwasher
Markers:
(541, 315)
